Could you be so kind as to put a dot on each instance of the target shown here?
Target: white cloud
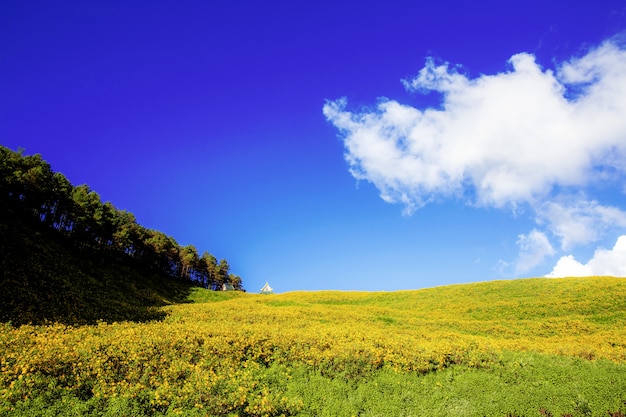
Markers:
(534, 247)
(604, 262)
(526, 137)
(567, 266)
(578, 221)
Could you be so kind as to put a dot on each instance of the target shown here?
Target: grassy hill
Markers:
(45, 279)
(534, 347)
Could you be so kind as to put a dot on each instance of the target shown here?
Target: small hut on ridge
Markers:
(267, 289)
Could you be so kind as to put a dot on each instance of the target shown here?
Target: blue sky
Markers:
(338, 145)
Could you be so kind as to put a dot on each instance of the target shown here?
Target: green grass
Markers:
(202, 295)
(522, 385)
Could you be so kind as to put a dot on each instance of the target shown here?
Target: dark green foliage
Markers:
(43, 280)
(67, 256)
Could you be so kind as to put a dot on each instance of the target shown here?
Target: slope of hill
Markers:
(533, 347)
(66, 256)
(43, 279)
(578, 317)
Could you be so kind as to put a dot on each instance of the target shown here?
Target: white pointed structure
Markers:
(267, 289)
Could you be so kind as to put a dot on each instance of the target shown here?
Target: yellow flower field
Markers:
(234, 356)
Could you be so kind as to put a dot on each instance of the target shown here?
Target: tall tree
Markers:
(222, 273)
(210, 265)
(188, 260)
(62, 189)
(126, 232)
(163, 251)
(235, 281)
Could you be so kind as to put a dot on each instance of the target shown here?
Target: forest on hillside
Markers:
(40, 209)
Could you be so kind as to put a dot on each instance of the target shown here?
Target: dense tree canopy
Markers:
(31, 192)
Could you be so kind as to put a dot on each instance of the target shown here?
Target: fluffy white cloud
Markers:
(578, 221)
(604, 262)
(534, 247)
(525, 137)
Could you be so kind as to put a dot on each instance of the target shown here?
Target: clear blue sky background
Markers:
(219, 124)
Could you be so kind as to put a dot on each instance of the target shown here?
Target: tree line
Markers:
(30, 191)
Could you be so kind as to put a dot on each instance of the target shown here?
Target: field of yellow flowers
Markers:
(236, 353)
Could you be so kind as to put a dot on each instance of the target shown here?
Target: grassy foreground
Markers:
(536, 347)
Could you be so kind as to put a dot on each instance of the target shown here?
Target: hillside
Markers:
(66, 256)
(532, 347)
(577, 317)
(43, 279)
